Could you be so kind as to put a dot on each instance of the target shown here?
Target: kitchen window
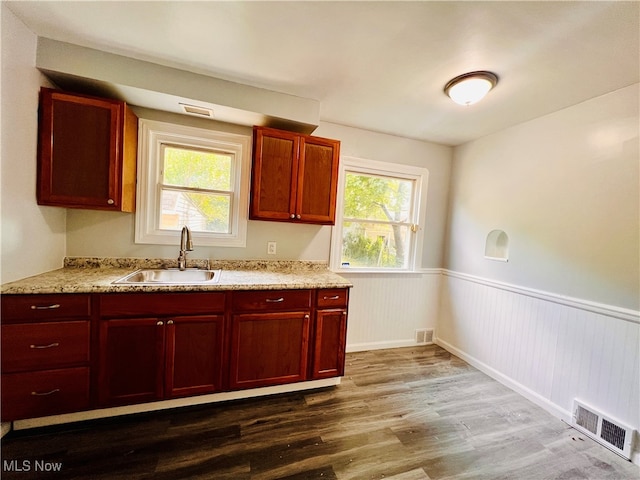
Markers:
(194, 177)
(380, 217)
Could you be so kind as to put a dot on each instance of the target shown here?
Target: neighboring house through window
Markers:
(194, 177)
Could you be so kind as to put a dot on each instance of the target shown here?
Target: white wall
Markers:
(560, 319)
(33, 237)
(564, 188)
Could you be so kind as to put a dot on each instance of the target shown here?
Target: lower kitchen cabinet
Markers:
(131, 360)
(147, 359)
(330, 333)
(329, 343)
(65, 353)
(269, 349)
(194, 355)
(45, 355)
(44, 392)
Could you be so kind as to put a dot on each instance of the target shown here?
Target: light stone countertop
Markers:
(96, 275)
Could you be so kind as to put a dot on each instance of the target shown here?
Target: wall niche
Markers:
(497, 246)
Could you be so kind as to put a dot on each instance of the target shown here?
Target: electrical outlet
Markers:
(271, 248)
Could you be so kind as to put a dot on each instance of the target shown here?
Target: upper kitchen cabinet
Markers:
(295, 177)
(87, 149)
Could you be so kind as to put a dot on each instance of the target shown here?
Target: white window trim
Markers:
(152, 135)
(374, 167)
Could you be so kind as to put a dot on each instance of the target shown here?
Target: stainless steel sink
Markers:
(170, 276)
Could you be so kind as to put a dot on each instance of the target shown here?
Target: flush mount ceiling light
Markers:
(469, 88)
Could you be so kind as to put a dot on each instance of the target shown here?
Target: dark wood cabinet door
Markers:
(131, 362)
(329, 344)
(81, 151)
(318, 180)
(194, 355)
(269, 349)
(274, 175)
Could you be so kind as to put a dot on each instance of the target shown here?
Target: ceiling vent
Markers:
(611, 433)
(194, 110)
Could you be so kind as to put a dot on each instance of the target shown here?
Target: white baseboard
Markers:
(363, 347)
(552, 408)
(529, 394)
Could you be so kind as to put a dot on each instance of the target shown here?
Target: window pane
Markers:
(197, 169)
(375, 245)
(200, 212)
(373, 197)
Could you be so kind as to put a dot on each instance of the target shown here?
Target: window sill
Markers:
(419, 271)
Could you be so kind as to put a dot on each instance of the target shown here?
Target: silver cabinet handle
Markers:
(159, 322)
(298, 216)
(169, 322)
(45, 307)
(44, 394)
(274, 300)
(292, 216)
(335, 297)
(110, 201)
(306, 317)
(51, 345)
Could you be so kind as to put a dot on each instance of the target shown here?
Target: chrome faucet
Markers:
(186, 245)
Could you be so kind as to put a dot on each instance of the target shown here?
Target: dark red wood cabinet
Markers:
(87, 149)
(269, 338)
(330, 336)
(45, 355)
(178, 351)
(294, 177)
(73, 352)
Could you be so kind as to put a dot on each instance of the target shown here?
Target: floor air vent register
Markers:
(613, 434)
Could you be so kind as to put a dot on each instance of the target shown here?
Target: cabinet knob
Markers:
(298, 216)
(110, 201)
(292, 216)
(169, 322)
(306, 317)
(159, 322)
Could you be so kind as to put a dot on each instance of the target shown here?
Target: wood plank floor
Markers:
(403, 414)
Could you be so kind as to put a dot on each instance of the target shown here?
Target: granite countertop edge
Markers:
(96, 275)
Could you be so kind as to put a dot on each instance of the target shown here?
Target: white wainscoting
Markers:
(385, 309)
(549, 348)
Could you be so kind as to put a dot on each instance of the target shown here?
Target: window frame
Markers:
(153, 136)
(420, 177)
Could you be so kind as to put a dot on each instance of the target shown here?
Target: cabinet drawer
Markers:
(44, 307)
(47, 392)
(332, 297)
(269, 300)
(160, 304)
(31, 346)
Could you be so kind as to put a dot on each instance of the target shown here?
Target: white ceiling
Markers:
(375, 65)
